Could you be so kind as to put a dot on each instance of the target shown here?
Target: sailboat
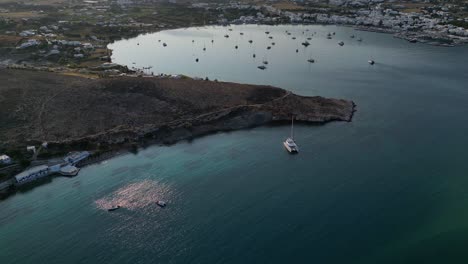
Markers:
(289, 143)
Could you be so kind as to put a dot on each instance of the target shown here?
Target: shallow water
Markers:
(389, 187)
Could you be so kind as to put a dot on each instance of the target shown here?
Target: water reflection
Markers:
(135, 196)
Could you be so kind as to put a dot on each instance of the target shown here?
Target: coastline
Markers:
(430, 38)
(154, 111)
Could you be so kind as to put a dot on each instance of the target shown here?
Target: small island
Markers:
(67, 112)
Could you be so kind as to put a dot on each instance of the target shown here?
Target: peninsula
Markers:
(70, 111)
(49, 114)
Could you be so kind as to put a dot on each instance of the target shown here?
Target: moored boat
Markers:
(289, 143)
(114, 208)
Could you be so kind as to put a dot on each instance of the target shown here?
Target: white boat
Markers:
(371, 62)
(161, 203)
(289, 143)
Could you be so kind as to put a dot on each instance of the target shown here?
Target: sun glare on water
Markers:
(135, 196)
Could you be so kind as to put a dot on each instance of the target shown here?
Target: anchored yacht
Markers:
(289, 143)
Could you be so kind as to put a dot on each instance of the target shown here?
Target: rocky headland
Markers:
(73, 112)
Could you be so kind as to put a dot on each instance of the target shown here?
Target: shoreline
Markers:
(10, 188)
(153, 111)
(95, 71)
(430, 38)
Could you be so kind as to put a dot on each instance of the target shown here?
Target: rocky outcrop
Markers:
(67, 110)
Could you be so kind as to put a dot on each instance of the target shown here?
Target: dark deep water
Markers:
(389, 187)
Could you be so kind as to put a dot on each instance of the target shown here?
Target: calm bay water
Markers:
(389, 187)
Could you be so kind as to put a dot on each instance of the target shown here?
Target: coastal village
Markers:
(76, 34)
(73, 37)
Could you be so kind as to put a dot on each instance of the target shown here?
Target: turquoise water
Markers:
(389, 187)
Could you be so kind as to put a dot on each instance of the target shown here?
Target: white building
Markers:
(29, 43)
(4, 159)
(27, 33)
(32, 174)
(75, 157)
(31, 148)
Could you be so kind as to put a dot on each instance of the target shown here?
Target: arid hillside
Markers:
(42, 106)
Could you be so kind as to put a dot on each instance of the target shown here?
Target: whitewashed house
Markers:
(4, 159)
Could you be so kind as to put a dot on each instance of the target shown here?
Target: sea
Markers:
(389, 187)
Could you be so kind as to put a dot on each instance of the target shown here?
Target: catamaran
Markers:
(289, 143)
